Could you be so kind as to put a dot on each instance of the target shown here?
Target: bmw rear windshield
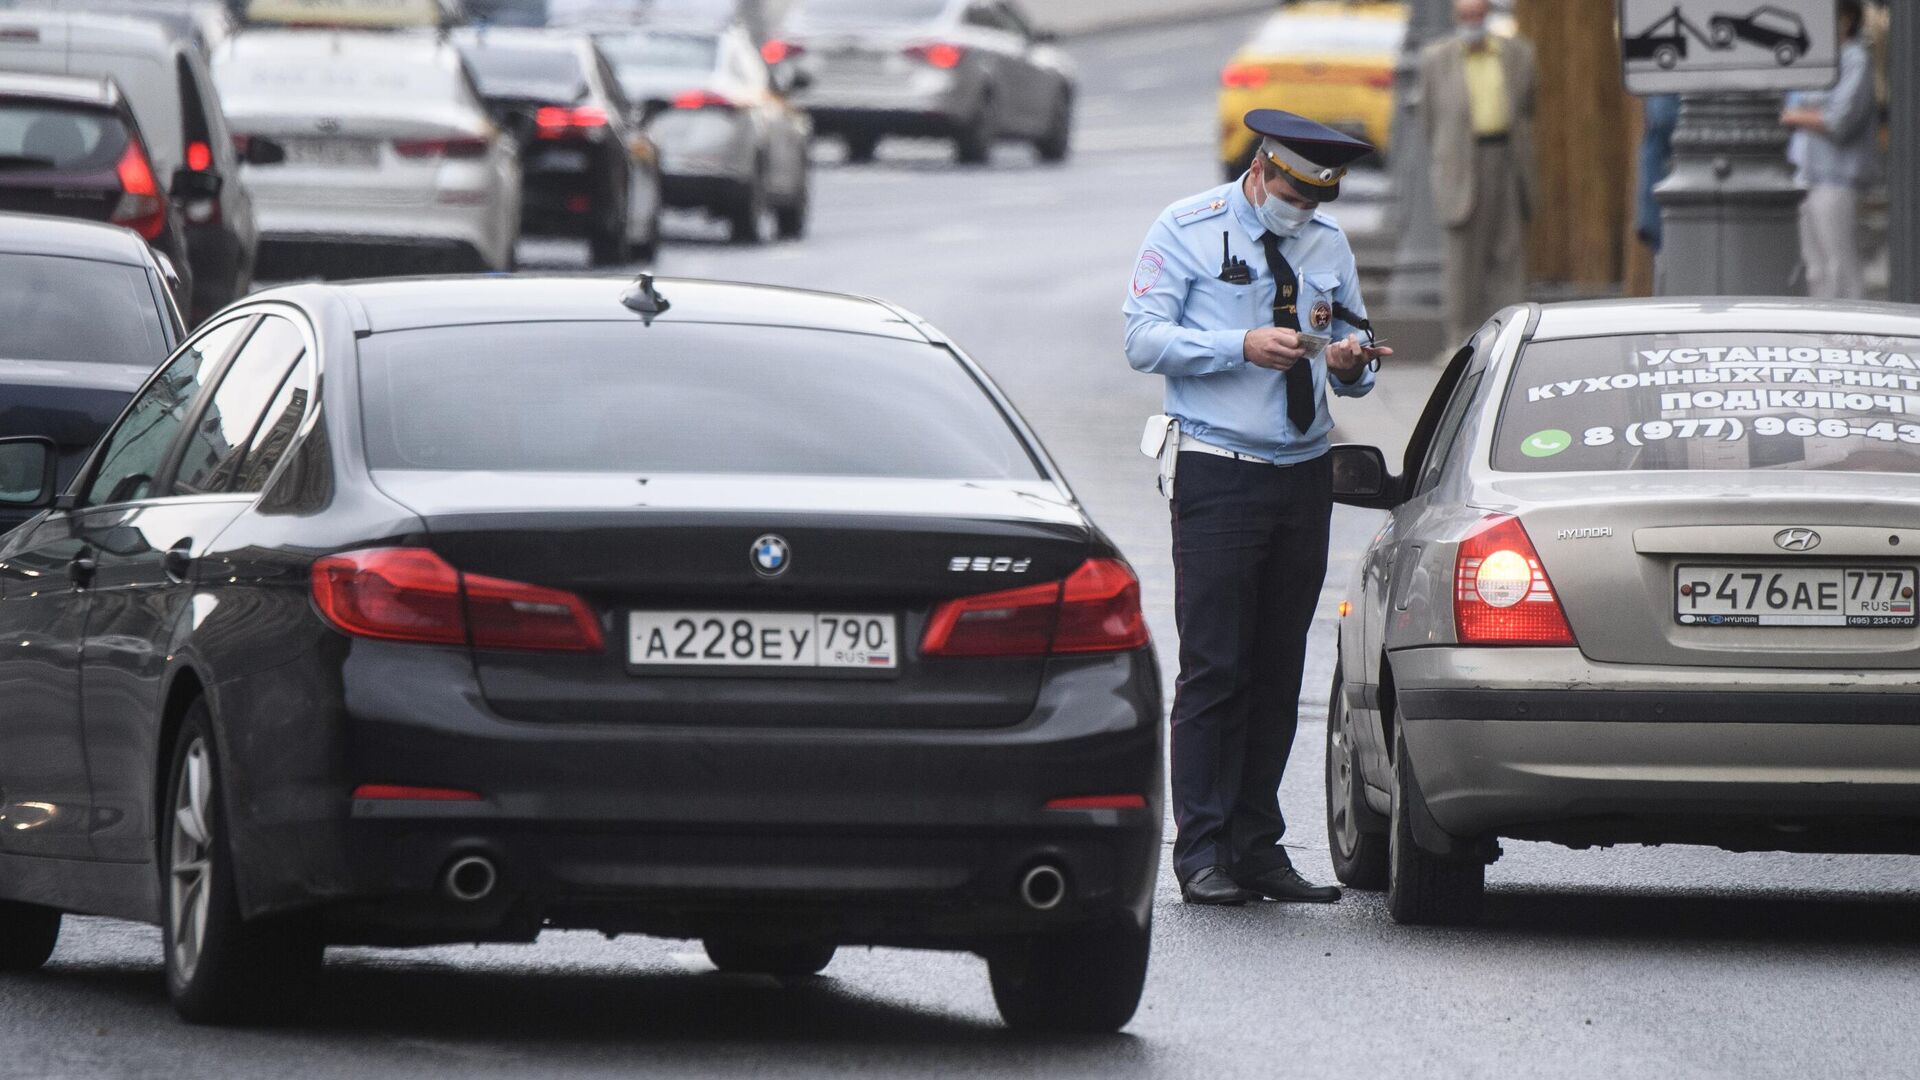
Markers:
(1738, 401)
(679, 398)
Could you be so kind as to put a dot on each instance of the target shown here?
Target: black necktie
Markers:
(1301, 408)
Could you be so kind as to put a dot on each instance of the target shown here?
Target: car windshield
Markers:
(1293, 35)
(106, 315)
(653, 52)
(506, 71)
(868, 12)
(1727, 400)
(679, 398)
(38, 135)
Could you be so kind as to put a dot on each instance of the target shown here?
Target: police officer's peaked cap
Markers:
(1311, 154)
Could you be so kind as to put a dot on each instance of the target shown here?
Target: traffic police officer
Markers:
(1246, 299)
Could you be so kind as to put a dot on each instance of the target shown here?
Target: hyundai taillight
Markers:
(702, 99)
(465, 148)
(939, 54)
(140, 208)
(556, 122)
(775, 51)
(1244, 76)
(412, 594)
(1501, 594)
(1096, 609)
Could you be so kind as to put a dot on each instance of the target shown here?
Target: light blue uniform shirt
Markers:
(1183, 322)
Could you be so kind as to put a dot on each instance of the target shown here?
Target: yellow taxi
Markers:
(1331, 62)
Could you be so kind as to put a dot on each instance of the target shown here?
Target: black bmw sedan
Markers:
(453, 610)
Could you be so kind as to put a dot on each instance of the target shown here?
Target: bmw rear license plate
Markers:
(747, 639)
(332, 153)
(1794, 595)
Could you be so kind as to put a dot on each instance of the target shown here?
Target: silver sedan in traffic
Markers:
(973, 71)
(1648, 576)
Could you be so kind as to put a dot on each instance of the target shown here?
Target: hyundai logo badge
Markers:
(1797, 539)
(771, 556)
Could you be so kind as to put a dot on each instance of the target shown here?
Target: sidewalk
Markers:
(1071, 18)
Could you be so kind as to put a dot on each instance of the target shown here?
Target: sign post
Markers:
(1729, 208)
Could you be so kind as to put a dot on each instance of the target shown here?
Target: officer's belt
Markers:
(1188, 442)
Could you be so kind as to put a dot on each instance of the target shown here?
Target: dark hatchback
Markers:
(69, 147)
(454, 610)
(590, 170)
(85, 316)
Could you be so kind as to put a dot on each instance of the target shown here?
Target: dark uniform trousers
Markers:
(1249, 558)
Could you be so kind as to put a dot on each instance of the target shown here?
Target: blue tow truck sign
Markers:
(1705, 46)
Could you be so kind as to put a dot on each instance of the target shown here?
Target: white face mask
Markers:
(1277, 215)
(1474, 33)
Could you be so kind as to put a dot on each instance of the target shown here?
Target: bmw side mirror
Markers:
(1360, 477)
(194, 185)
(263, 151)
(26, 472)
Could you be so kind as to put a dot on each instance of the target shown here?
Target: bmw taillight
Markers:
(556, 122)
(1096, 609)
(1501, 593)
(775, 51)
(1244, 76)
(939, 54)
(141, 208)
(412, 594)
(702, 99)
(465, 148)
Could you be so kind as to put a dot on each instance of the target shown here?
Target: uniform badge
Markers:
(1322, 316)
(1147, 273)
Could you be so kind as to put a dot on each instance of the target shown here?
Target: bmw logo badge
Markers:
(771, 556)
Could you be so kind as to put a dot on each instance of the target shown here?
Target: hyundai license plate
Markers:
(1794, 596)
(333, 153)
(762, 639)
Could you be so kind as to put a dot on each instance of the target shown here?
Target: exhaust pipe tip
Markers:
(470, 879)
(1043, 887)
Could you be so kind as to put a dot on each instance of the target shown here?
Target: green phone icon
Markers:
(1546, 443)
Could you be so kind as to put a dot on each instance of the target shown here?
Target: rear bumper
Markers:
(860, 836)
(936, 119)
(1543, 744)
(478, 224)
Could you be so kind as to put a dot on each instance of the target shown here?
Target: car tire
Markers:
(221, 968)
(974, 144)
(790, 221)
(1424, 889)
(1057, 143)
(769, 956)
(1357, 836)
(747, 214)
(861, 148)
(28, 933)
(1085, 981)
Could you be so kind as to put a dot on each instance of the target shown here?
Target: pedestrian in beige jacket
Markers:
(1476, 97)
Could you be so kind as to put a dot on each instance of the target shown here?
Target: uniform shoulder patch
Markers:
(1213, 207)
(1146, 274)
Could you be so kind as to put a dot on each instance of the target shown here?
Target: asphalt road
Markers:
(1675, 962)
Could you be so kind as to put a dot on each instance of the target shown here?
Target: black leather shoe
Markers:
(1213, 886)
(1285, 883)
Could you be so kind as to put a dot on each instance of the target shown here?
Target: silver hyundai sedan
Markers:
(1648, 576)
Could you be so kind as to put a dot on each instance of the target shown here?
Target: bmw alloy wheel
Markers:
(190, 878)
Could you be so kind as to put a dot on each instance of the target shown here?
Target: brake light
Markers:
(459, 149)
(776, 51)
(409, 793)
(1501, 594)
(702, 99)
(1096, 609)
(941, 55)
(199, 156)
(555, 122)
(1244, 76)
(412, 594)
(140, 208)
